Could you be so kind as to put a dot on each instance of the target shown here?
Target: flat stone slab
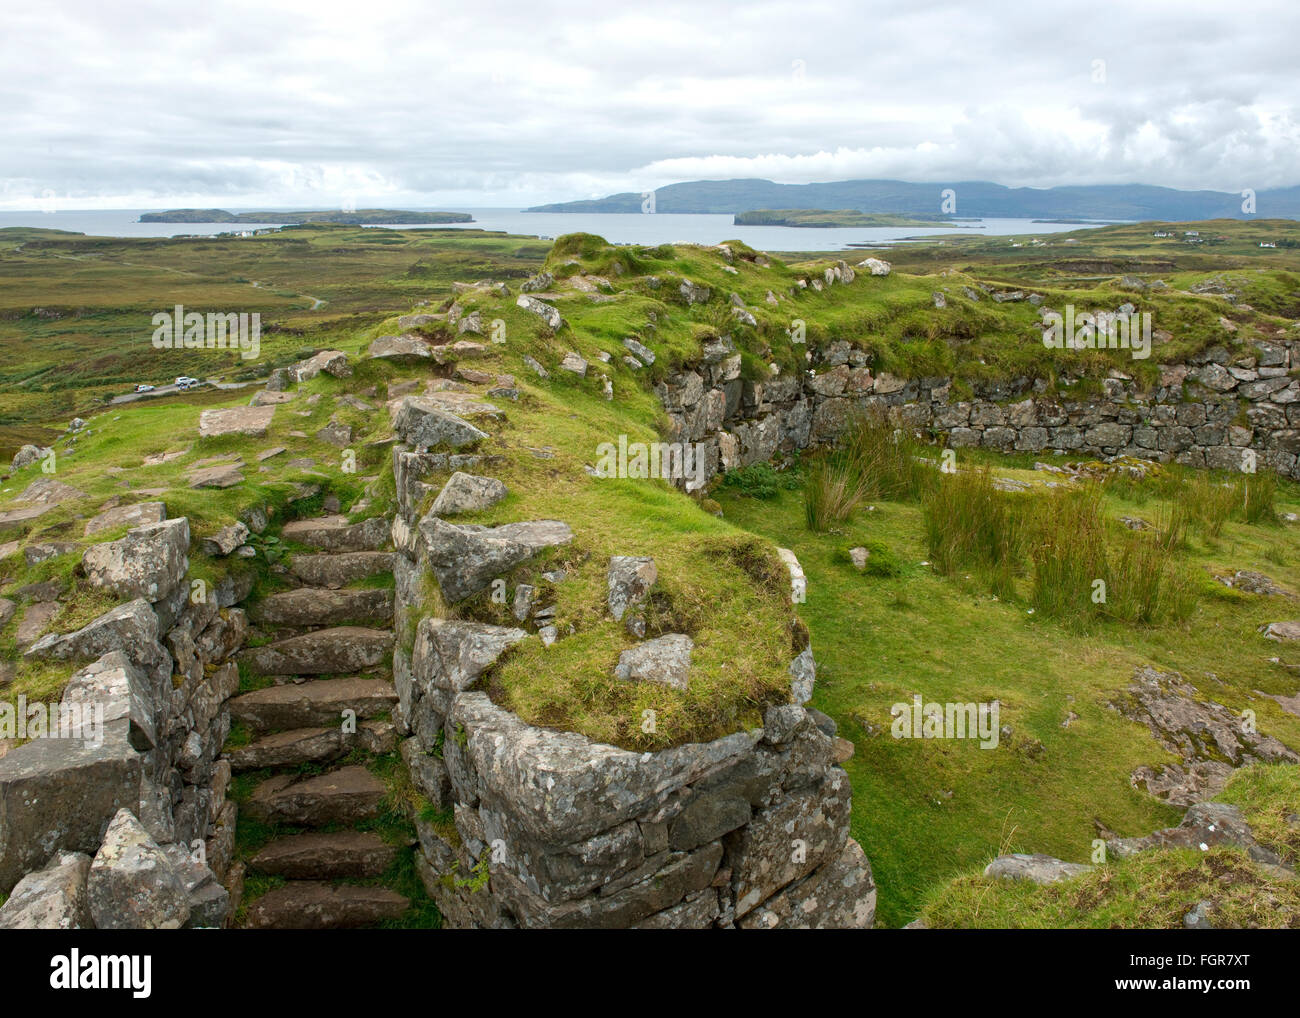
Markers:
(345, 796)
(1038, 868)
(252, 421)
(126, 516)
(312, 704)
(311, 745)
(326, 856)
(338, 570)
(321, 606)
(405, 347)
(306, 905)
(334, 533)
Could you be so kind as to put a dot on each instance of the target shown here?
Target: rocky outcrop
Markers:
(1209, 739)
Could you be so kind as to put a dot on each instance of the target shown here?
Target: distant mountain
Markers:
(974, 198)
(362, 217)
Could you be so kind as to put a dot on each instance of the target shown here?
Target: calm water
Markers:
(621, 228)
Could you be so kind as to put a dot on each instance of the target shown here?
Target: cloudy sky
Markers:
(313, 103)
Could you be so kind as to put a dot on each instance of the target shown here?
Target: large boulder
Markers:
(148, 562)
(133, 884)
(465, 559)
(28, 455)
(451, 654)
(332, 362)
(60, 794)
(400, 348)
(53, 898)
(424, 425)
(466, 493)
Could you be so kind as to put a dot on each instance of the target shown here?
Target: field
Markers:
(968, 623)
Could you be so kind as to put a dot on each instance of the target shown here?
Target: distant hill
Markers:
(827, 219)
(362, 217)
(973, 198)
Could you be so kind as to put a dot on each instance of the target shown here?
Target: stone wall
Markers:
(1229, 410)
(546, 828)
(148, 801)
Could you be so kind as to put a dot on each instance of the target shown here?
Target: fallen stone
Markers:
(665, 660)
(332, 362)
(132, 884)
(1038, 868)
(307, 905)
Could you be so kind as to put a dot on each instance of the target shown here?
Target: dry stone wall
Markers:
(127, 824)
(547, 829)
(1225, 410)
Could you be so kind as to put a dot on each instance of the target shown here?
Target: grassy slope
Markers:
(925, 811)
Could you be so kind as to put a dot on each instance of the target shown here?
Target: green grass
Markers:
(1154, 889)
(926, 812)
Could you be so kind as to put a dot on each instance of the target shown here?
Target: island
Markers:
(361, 217)
(827, 219)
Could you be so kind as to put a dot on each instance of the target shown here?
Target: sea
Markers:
(619, 228)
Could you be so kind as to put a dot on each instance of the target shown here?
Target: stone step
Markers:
(311, 745)
(334, 533)
(326, 856)
(345, 796)
(341, 569)
(318, 704)
(308, 905)
(321, 606)
(337, 651)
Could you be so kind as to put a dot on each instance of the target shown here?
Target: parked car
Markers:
(144, 388)
(186, 382)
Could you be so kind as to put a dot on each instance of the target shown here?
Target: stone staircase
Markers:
(316, 729)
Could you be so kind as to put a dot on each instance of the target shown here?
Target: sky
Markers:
(397, 104)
